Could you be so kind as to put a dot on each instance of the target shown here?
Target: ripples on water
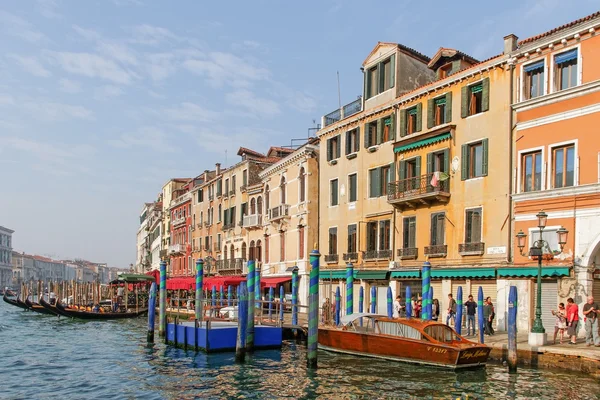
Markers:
(43, 357)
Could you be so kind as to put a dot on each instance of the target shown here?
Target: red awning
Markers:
(188, 283)
(218, 281)
(273, 282)
(156, 274)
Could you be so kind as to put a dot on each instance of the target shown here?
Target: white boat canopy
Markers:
(347, 319)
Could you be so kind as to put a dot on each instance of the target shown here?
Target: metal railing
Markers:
(178, 221)
(377, 254)
(229, 225)
(176, 248)
(331, 258)
(436, 251)
(232, 192)
(418, 186)
(350, 256)
(236, 264)
(408, 253)
(279, 212)
(250, 221)
(468, 249)
(345, 111)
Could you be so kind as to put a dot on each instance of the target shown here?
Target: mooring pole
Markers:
(390, 304)
(229, 295)
(271, 303)
(512, 329)
(425, 300)
(250, 322)
(361, 302)
(221, 295)
(373, 299)
(199, 282)
(408, 304)
(151, 312)
(162, 317)
(257, 289)
(281, 298)
(240, 348)
(295, 296)
(431, 303)
(338, 299)
(459, 311)
(349, 288)
(313, 310)
(480, 314)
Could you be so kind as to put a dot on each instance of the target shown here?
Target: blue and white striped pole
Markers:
(221, 295)
(361, 302)
(250, 322)
(512, 329)
(313, 310)
(295, 296)
(240, 348)
(229, 296)
(390, 304)
(373, 299)
(431, 303)
(162, 311)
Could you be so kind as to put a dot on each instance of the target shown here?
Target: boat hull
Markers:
(98, 316)
(35, 307)
(52, 308)
(13, 302)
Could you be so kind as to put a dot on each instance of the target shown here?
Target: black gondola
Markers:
(14, 302)
(72, 313)
(35, 307)
(52, 308)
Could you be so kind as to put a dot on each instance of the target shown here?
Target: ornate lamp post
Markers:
(537, 250)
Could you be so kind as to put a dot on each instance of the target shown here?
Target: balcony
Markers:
(350, 257)
(211, 197)
(228, 226)
(408, 253)
(243, 188)
(416, 191)
(436, 251)
(217, 247)
(232, 266)
(331, 258)
(279, 212)
(349, 109)
(207, 224)
(471, 249)
(178, 221)
(378, 255)
(252, 221)
(232, 192)
(176, 249)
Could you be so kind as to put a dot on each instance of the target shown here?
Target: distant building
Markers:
(5, 256)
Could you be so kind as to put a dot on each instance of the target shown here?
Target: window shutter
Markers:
(429, 163)
(393, 126)
(348, 149)
(372, 186)
(432, 237)
(329, 150)
(419, 117)
(339, 146)
(484, 157)
(379, 131)
(402, 170)
(485, 94)
(464, 162)
(367, 83)
(392, 173)
(392, 70)
(357, 139)
(403, 122)
(448, 107)
(377, 187)
(464, 101)
(430, 114)
(447, 161)
(381, 77)
(367, 135)
(412, 232)
(469, 227)
(417, 166)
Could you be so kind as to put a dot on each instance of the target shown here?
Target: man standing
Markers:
(590, 311)
(451, 310)
(471, 308)
(488, 316)
(398, 307)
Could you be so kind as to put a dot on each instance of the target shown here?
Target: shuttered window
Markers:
(409, 230)
(379, 178)
(334, 192)
(333, 241)
(474, 160)
(371, 236)
(384, 234)
(439, 110)
(352, 140)
(352, 188)
(473, 225)
(352, 238)
(334, 148)
(380, 77)
(475, 98)
(438, 229)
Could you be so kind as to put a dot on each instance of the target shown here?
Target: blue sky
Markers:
(102, 101)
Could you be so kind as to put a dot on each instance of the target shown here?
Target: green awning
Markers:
(133, 278)
(421, 143)
(371, 275)
(333, 274)
(406, 274)
(531, 272)
(463, 273)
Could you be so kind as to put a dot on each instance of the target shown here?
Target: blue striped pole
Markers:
(480, 313)
(338, 299)
(214, 301)
(199, 282)
(295, 296)
(373, 299)
(349, 288)
(512, 329)
(229, 295)
(151, 312)
(250, 323)
(390, 304)
(162, 304)
(431, 303)
(408, 302)
(426, 273)
(240, 348)
(459, 311)
(361, 302)
(313, 310)
(271, 303)
(221, 295)
(281, 302)
(257, 288)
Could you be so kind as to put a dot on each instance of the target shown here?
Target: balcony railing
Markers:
(333, 117)
(378, 254)
(232, 192)
(345, 111)
(350, 257)
(229, 225)
(279, 212)
(252, 221)
(436, 251)
(217, 247)
(243, 188)
(207, 224)
(408, 253)
(176, 249)
(471, 249)
(331, 258)
(178, 221)
(234, 265)
(211, 197)
(419, 189)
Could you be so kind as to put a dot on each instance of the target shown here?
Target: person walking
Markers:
(488, 316)
(573, 320)
(590, 312)
(435, 310)
(326, 310)
(451, 310)
(471, 309)
(561, 322)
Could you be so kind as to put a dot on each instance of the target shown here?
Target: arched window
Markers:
(252, 253)
(302, 180)
(282, 189)
(253, 206)
(243, 250)
(258, 251)
(232, 252)
(259, 205)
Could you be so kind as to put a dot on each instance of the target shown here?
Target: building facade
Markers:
(6, 274)
(167, 195)
(180, 249)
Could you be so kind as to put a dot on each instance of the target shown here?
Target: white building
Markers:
(149, 243)
(5, 257)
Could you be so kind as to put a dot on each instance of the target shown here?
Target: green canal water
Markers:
(47, 358)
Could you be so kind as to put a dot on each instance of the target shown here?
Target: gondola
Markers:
(22, 304)
(14, 302)
(72, 313)
(53, 308)
(35, 307)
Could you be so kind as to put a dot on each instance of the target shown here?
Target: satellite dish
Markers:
(455, 164)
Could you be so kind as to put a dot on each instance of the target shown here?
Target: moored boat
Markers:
(405, 339)
(35, 307)
(84, 314)
(14, 302)
(52, 308)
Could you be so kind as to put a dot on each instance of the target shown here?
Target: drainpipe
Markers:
(510, 162)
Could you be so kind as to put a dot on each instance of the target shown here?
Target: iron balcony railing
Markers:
(211, 197)
(176, 248)
(408, 253)
(331, 258)
(345, 111)
(232, 192)
(279, 212)
(333, 117)
(233, 264)
(378, 254)
(207, 224)
(178, 221)
(229, 225)
(471, 249)
(350, 256)
(252, 221)
(436, 251)
(417, 187)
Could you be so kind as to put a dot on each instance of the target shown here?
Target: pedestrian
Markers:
(451, 310)
(418, 307)
(326, 310)
(561, 322)
(398, 307)
(590, 312)
(435, 310)
(488, 316)
(573, 320)
(471, 308)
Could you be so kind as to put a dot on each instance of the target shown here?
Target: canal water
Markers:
(43, 357)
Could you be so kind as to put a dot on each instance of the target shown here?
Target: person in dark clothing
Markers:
(488, 316)
(471, 309)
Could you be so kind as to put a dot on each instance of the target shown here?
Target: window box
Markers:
(471, 249)
(351, 156)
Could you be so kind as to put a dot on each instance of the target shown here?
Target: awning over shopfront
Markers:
(187, 283)
(272, 282)
(405, 274)
(446, 273)
(371, 275)
(218, 281)
(333, 274)
(421, 143)
(156, 274)
(531, 272)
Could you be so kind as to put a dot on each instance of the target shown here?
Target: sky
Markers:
(102, 101)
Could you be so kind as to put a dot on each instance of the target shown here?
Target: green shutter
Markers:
(447, 161)
(357, 143)
(418, 166)
(419, 117)
(329, 150)
(448, 107)
(484, 157)
(367, 144)
(401, 175)
(367, 83)
(430, 114)
(381, 77)
(485, 95)
(348, 149)
(377, 187)
(339, 146)
(392, 173)
(393, 127)
(464, 162)
(379, 131)
(464, 101)
(392, 70)
(429, 163)
(402, 122)
(372, 182)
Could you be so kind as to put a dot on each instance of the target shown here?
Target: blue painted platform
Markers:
(221, 336)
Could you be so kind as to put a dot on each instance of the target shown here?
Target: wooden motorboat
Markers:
(35, 307)
(14, 302)
(409, 340)
(82, 314)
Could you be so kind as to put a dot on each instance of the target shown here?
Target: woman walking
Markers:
(561, 322)
(573, 320)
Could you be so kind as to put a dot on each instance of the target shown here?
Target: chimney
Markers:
(205, 175)
(510, 43)
(218, 169)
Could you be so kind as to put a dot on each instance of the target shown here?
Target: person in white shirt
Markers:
(398, 307)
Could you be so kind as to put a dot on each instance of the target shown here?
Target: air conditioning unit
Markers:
(393, 265)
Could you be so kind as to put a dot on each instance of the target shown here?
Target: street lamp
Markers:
(537, 250)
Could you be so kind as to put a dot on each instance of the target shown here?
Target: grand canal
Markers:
(43, 357)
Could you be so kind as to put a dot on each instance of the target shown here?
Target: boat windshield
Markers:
(397, 328)
(442, 333)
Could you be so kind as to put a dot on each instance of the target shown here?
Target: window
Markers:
(475, 98)
(333, 148)
(439, 110)
(300, 242)
(372, 87)
(219, 187)
(267, 197)
(352, 140)
(253, 206)
(219, 213)
(352, 238)
(244, 251)
(473, 222)
(565, 70)
(282, 189)
(380, 77)
(259, 205)
(333, 241)
(563, 166)
(245, 177)
(372, 236)
(438, 229)
(384, 235)
(371, 134)
(266, 248)
(226, 186)
(333, 184)
(531, 171)
(233, 183)
(258, 251)
(302, 183)
(282, 247)
(533, 80)
(200, 196)
(445, 71)
(218, 240)
(410, 120)
(378, 181)
(352, 188)
(409, 233)
(474, 160)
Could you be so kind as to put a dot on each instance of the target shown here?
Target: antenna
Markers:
(339, 94)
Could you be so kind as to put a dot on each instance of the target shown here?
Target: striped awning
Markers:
(444, 273)
(406, 274)
(531, 272)
(421, 143)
